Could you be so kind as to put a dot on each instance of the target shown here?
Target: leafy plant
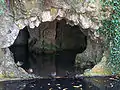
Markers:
(111, 31)
(2, 6)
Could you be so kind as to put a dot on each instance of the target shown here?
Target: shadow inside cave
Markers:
(48, 50)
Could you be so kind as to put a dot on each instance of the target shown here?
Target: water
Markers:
(81, 83)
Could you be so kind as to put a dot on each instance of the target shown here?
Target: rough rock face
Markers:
(92, 55)
(43, 36)
(8, 69)
(101, 68)
(31, 13)
(8, 31)
(87, 14)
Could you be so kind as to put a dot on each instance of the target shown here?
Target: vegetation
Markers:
(2, 6)
(111, 31)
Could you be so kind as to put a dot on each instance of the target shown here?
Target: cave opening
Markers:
(50, 48)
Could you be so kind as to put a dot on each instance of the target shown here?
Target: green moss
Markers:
(7, 75)
(2, 76)
(105, 72)
(11, 74)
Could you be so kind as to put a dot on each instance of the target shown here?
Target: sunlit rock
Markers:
(85, 22)
(20, 23)
(101, 69)
(37, 23)
(33, 19)
(26, 22)
(61, 13)
(46, 16)
(75, 19)
(31, 24)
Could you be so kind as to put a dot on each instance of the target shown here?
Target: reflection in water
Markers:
(81, 83)
(104, 83)
(1, 86)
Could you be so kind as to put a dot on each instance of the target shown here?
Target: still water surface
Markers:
(81, 83)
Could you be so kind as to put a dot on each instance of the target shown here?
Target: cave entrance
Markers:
(53, 47)
(56, 47)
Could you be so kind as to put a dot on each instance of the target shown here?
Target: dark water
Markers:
(81, 83)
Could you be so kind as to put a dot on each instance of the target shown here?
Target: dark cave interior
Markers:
(69, 41)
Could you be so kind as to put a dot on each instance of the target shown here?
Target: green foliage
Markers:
(2, 6)
(111, 31)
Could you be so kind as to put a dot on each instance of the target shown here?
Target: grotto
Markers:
(55, 42)
(55, 36)
(59, 45)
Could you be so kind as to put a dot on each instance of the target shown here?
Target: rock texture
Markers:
(100, 69)
(18, 14)
(31, 13)
(8, 69)
(92, 54)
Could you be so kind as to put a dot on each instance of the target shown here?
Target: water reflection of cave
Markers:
(71, 41)
(53, 47)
